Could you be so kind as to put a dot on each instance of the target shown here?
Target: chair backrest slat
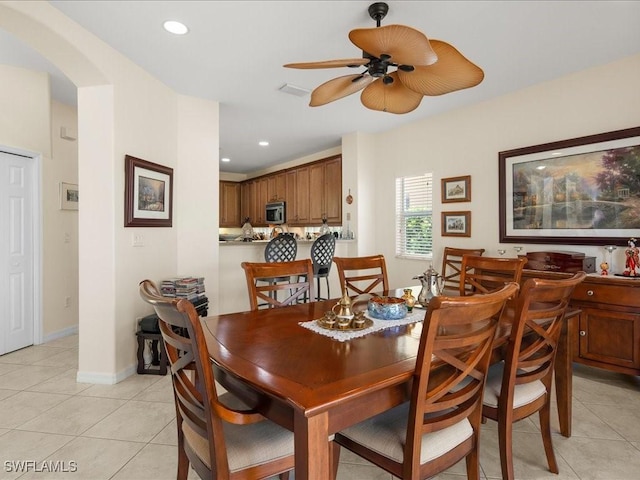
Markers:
(360, 275)
(535, 333)
(265, 280)
(452, 265)
(452, 363)
(485, 274)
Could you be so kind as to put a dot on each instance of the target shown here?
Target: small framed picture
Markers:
(68, 196)
(456, 189)
(456, 224)
(148, 194)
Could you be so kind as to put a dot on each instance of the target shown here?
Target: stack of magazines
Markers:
(191, 288)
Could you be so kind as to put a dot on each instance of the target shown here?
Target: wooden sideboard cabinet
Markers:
(607, 333)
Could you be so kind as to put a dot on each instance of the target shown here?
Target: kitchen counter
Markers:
(224, 243)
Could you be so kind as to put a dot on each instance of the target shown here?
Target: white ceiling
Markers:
(235, 50)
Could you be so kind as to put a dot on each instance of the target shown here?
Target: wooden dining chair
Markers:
(521, 385)
(480, 275)
(294, 279)
(362, 274)
(440, 425)
(218, 435)
(452, 265)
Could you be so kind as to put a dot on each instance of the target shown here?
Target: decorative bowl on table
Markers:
(387, 308)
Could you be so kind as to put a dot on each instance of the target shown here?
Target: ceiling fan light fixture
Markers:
(422, 67)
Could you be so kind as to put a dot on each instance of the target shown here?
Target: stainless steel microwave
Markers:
(275, 213)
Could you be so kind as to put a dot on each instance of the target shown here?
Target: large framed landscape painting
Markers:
(581, 191)
(148, 194)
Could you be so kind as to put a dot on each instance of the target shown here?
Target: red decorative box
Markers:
(560, 261)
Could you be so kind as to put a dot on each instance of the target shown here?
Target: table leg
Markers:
(564, 376)
(312, 457)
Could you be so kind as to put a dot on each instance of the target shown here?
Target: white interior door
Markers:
(16, 251)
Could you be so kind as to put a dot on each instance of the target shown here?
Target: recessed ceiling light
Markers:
(225, 159)
(175, 27)
(541, 167)
(556, 154)
(263, 143)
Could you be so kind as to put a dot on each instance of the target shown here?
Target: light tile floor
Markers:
(127, 431)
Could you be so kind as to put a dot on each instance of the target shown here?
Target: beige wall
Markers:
(467, 142)
(121, 110)
(26, 110)
(60, 232)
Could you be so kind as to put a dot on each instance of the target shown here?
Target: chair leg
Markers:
(505, 445)
(183, 460)
(473, 464)
(545, 428)
(284, 476)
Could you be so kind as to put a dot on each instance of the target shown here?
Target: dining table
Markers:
(315, 385)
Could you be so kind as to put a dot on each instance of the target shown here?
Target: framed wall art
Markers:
(68, 196)
(148, 198)
(456, 189)
(456, 224)
(581, 191)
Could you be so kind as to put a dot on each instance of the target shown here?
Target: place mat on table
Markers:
(417, 315)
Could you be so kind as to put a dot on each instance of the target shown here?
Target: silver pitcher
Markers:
(432, 283)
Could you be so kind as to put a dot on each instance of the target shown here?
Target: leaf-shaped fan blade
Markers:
(451, 72)
(347, 62)
(405, 45)
(393, 97)
(338, 88)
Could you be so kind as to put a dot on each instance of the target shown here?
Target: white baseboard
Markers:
(105, 378)
(65, 332)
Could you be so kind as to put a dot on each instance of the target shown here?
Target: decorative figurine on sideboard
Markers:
(632, 262)
(604, 267)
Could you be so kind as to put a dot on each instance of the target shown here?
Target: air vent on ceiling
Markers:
(293, 90)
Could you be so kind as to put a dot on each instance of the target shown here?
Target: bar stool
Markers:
(322, 252)
(282, 248)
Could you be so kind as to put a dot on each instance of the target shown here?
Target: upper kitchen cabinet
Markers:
(311, 191)
(249, 200)
(297, 198)
(325, 187)
(277, 187)
(230, 204)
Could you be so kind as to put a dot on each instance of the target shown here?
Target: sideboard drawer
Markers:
(607, 294)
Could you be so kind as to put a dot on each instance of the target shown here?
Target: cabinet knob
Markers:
(583, 333)
(590, 293)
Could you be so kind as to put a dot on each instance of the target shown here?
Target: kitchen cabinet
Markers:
(262, 200)
(312, 192)
(607, 334)
(325, 184)
(297, 198)
(277, 187)
(249, 201)
(230, 204)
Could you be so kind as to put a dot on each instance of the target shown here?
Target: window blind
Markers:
(414, 205)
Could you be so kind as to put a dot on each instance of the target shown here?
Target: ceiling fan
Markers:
(422, 67)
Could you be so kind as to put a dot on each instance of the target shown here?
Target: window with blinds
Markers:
(414, 205)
